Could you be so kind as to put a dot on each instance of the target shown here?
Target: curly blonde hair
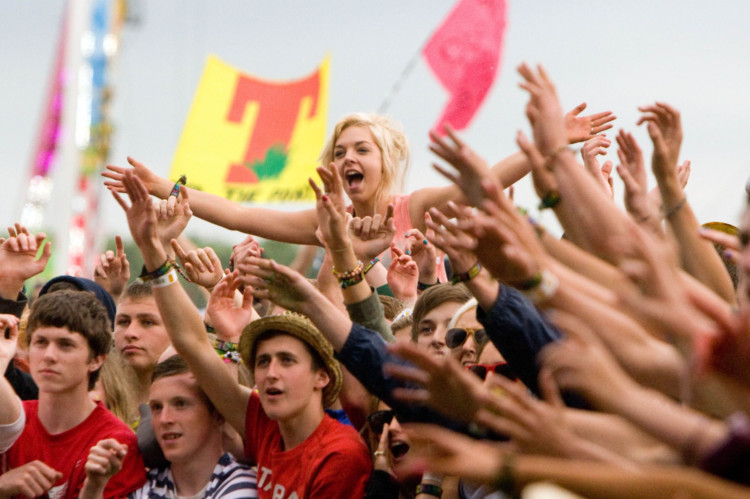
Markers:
(390, 139)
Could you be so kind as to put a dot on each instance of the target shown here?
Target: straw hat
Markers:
(302, 328)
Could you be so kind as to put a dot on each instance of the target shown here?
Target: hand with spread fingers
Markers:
(471, 168)
(272, 281)
(443, 383)
(116, 176)
(632, 171)
(18, 260)
(112, 272)
(582, 128)
(141, 213)
(543, 110)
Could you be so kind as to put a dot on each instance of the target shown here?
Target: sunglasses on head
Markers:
(378, 419)
(500, 368)
(455, 337)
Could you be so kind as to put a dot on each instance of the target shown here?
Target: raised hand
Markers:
(331, 212)
(201, 265)
(597, 146)
(543, 110)
(280, 284)
(632, 171)
(173, 215)
(423, 253)
(18, 260)
(116, 175)
(247, 248)
(403, 275)
(471, 168)
(226, 316)
(665, 129)
(581, 128)
(371, 236)
(112, 272)
(141, 213)
(449, 236)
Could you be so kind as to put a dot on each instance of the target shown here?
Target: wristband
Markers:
(468, 275)
(370, 265)
(544, 289)
(676, 207)
(176, 187)
(429, 489)
(351, 281)
(506, 481)
(422, 286)
(225, 346)
(550, 200)
(150, 276)
(230, 357)
(166, 280)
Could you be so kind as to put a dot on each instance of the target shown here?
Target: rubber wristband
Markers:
(429, 489)
(370, 265)
(176, 187)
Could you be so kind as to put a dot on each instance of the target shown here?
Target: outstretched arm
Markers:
(286, 226)
(182, 320)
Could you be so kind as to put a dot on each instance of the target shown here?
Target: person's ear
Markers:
(96, 362)
(322, 379)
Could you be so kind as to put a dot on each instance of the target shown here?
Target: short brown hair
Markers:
(434, 297)
(174, 366)
(78, 311)
(137, 289)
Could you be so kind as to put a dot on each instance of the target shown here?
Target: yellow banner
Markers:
(251, 140)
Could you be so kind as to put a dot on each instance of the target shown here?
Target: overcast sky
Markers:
(614, 55)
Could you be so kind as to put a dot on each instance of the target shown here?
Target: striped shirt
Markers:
(229, 480)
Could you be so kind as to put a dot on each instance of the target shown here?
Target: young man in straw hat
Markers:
(300, 452)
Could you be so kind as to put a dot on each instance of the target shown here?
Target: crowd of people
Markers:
(449, 347)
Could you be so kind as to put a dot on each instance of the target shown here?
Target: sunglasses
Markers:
(500, 368)
(378, 419)
(455, 337)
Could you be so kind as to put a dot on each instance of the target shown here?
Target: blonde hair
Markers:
(390, 139)
(118, 384)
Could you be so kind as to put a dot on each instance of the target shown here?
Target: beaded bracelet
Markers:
(468, 275)
(429, 489)
(346, 275)
(166, 280)
(150, 276)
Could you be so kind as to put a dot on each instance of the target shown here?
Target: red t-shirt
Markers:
(333, 462)
(68, 451)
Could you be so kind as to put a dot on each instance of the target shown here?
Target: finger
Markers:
(171, 203)
(119, 246)
(315, 188)
(383, 442)
(406, 373)
(548, 387)
(178, 251)
(578, 109)
(119, 200)
(366, 224)
(206, 261)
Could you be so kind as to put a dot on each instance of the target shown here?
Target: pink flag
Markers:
(464, 54)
